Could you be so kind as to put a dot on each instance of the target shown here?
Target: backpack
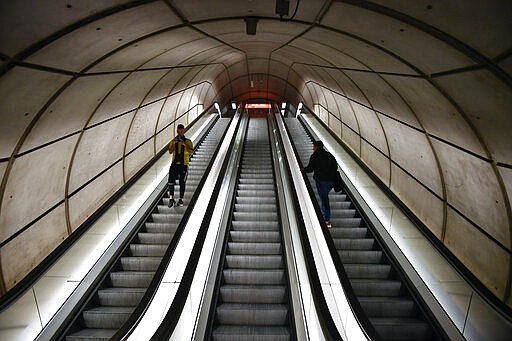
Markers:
(338, 182)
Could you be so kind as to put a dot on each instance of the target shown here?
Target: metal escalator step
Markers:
(339, 202)
(106, 317)
(131, 279)
(361, 257)
(155, 238)
(247, 276)
(256, 187)
(168, 218)
(388, 306)
(140, 263)
(256, 174)
(254, 262)
(376, 287)
(255, 225)
(254, 248)
(252, 314)
(348, 232)
(342, 213)
(255, 162)
(255, 236)
(257, 181)
(92, 335)
(148, 250)
(375, 271)
(253, 293)
(258, 201)
(255, 216)
(251, 333)
(402, 328)
(354, 244)
(161, 227)
(256, 193)
(346, 222)
(255, 207)
(128, 297)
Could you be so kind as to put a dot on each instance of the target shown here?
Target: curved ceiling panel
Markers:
(86, 44)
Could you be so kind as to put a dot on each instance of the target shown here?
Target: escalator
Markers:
(121, 290)
(382, 292)
(252, 300)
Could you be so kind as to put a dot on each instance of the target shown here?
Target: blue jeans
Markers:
(323, 188)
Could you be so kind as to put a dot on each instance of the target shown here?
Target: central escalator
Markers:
(378, 283)
(252, 296)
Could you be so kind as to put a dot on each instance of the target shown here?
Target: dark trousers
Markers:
(323, 188)
(177, 172)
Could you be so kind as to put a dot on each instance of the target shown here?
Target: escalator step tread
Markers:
(253, 333)
(255, 225)
(254, 248)
(253, 294)
(92, 335)
(247, 276)
(252, 314)
(394, 328)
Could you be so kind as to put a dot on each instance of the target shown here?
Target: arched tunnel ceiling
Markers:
(419, 90)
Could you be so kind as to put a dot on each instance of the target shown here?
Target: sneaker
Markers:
(180, 202)
(328, 224)
(171, 203)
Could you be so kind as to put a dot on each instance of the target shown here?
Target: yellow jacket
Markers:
(178, 149)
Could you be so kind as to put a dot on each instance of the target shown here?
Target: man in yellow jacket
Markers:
(180, 147)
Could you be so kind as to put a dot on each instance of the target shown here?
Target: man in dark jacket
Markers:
(325, 167)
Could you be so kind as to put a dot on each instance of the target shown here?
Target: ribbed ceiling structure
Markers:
(419, 90)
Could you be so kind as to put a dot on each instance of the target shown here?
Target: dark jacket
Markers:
(323, 164)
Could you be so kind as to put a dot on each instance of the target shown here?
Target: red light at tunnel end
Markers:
(257, 106)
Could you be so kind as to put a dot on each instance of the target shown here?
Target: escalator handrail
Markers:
(134, 319)
(355, 306)
(173, 314)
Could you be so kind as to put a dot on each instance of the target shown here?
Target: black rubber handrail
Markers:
(172, 317)
(355, 306)
(134, 319)
(290, 301)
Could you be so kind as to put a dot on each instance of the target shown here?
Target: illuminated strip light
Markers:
(233, 105)
(283, 106)
(257, 106)
(298, 109)
(218, 109)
